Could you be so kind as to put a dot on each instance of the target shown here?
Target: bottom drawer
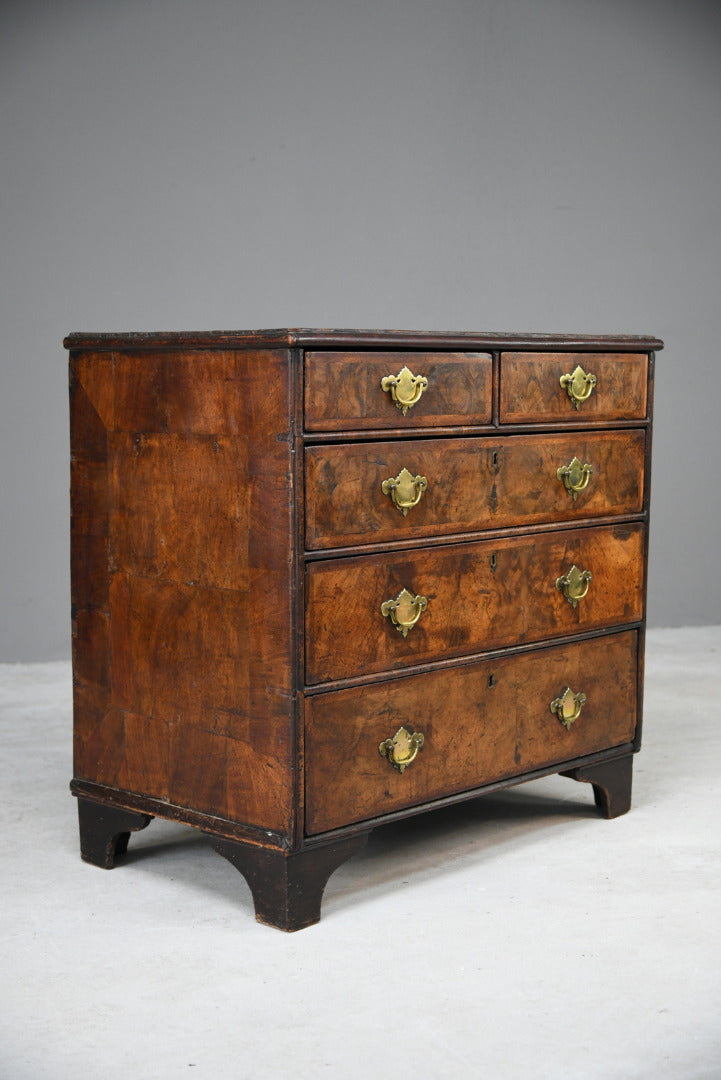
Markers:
(479, 722)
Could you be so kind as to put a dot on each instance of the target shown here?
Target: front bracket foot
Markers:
(287, 889)
(105, 831)
(611, 784)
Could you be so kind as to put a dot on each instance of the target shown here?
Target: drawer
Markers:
(344, 390)
(478, 596)
(531, 389)
(466, 484)
(480, 723)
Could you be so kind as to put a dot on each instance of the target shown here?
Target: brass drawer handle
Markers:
(402, 749)
(568, 707)
(405, 490)
(405, 388)
(579, 385)
(574, 476)
(574, 584)
(404, 611)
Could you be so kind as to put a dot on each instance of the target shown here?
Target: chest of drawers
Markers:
(323, 579)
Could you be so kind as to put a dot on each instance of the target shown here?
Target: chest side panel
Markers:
(182, 525)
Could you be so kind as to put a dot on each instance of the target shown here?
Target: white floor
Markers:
(515, 936)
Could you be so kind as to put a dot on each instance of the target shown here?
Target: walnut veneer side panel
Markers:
(182, 578)
(481, 722)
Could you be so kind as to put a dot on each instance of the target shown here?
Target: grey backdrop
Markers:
(520, 165)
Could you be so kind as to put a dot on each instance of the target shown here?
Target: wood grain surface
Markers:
(531, 391)
(480, 722)
(481, 596)
(343, 390)
(182, 578)
(473, 484)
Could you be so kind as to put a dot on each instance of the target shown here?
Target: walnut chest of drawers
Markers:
(324, 579)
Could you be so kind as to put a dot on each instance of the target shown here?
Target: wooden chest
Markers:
(322, 580)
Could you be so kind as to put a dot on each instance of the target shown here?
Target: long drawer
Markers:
(478, 723)
(360, 493)
(467, 598)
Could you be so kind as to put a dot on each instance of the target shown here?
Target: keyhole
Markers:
(493, 563)
(491, 680)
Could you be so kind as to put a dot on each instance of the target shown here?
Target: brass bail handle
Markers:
(402, 749)
(405, 388)
(405, 490)
(574, 476)
(568, 707)
(405, 611)
(574, 584)
(579, 385)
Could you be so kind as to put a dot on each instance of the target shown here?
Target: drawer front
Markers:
(480, 723)
(344, 390)
(478, 596)
(532, 391)
(358, 493)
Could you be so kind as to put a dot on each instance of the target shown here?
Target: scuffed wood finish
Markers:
(181, 579)
(311, 338)
(531, 391)
(287, 889)
(105, 831)
(473, 484)
(480, 722)
(612, 781)
(481, 596)
(343, 390)
(232, 546)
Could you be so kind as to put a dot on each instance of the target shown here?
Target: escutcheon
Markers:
(402, 749)
(405, 490)
(579, 385)
(574, 476)
(568, 707)
(405, 611)
(405, 388)
(574, 584)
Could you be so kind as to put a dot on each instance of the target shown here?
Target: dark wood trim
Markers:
(298, 572)
(143, 804)
(287, 889)
(489, 430)
(361, 339)
(105, 831)
(647, 510)
(612, 781)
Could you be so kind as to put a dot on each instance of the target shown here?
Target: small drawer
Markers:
(344, 391)
(573, 387)
(472, 725)
(378, 492)
(377, 613)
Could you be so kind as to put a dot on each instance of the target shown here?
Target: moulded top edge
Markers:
(366, 339)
